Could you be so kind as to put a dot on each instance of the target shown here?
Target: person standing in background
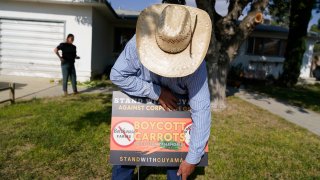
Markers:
(69, 54)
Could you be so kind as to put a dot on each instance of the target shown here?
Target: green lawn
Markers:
(307, 96)
(91, 84)
(68, 138)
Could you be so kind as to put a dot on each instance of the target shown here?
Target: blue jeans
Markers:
(68, 70)
(120, 172)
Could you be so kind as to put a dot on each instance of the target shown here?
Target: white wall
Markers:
(78, 20)
(102, 43)
(307, 58)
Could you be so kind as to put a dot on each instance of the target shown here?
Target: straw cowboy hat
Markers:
(172, 40)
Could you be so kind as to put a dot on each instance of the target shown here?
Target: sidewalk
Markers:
(31, 87)
(297, 115)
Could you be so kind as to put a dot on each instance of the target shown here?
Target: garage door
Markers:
(26, 48)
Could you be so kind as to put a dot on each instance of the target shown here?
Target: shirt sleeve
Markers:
(75, 52)
(124, 74)
(60, 46)
(199, 101)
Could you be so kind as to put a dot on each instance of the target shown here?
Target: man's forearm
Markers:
(200, 113)
(57, 53)
(200, 133)
(135, 86)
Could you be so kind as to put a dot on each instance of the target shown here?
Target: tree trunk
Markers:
(218, 65)
(226, 39)
(217, 77)
(300, 14)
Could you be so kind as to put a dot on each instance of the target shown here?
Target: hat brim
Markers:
(166, 64)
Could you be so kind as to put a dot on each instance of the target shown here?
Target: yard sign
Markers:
(144, 134)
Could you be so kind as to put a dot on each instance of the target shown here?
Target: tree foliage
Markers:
(316, 48)
(280, 12)
(316, 27)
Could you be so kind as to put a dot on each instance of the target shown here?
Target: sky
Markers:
(221, 6)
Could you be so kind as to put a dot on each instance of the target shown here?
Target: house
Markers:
(262, 54)
(31, 29)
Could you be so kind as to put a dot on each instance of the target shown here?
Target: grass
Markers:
(69, 137)
(90, 84)
(306, 96)
(97, 83)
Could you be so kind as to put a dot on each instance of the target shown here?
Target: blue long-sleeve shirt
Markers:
(133, 78)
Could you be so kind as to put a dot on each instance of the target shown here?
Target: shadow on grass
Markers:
(146, 171)
(94, 118)
(299, 96)
(104, 97)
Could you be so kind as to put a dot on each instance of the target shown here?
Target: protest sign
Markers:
(144, 134)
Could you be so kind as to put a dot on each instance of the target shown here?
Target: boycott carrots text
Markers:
(159, 131)
(158, 125)
(159, 136)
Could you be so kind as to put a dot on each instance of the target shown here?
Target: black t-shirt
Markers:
(69, 52)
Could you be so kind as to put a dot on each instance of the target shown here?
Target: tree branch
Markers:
(259, 5)
(231, 4)
(207, 5)
(247, 25)
(235, 9)
(227, 25)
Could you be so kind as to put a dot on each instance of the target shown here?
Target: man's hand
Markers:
(185, 170)
(167, 100)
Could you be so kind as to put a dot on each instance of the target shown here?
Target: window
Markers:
(266, 46)
(258, 46)
(271, 47)
(121, 37)
(283, 47)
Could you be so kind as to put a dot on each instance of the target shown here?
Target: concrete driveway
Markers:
(33, 87)
(302, 117)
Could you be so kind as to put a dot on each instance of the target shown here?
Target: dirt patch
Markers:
(20, 150)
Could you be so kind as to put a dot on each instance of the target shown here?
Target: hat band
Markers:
(173, 45)
(176, 45)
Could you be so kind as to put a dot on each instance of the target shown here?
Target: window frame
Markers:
(281, 47)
